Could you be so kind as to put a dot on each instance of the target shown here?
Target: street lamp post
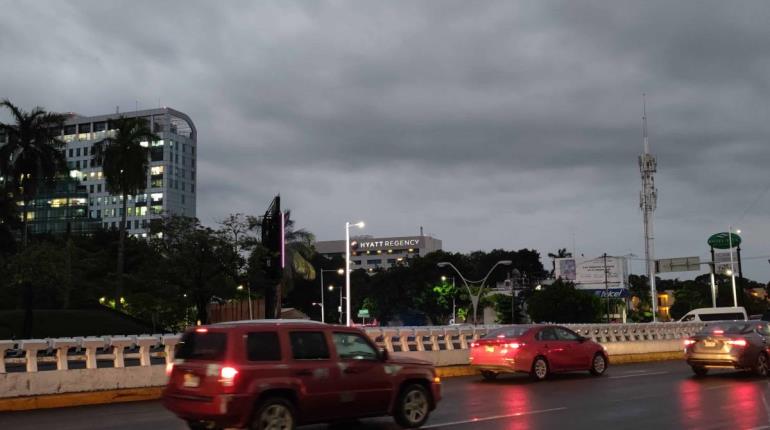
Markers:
(732, 266)
(359, 224)
(323, 303)
(248, 292)
(474, 297)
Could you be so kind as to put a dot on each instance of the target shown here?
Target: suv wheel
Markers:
(274, 414)
(412, 406)
(598, 365)
(539, 369)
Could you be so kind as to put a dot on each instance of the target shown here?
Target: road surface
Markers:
(650, 396)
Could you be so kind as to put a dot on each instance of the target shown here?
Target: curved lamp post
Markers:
(475, 297)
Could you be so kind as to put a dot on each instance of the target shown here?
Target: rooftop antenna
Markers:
(648, 199)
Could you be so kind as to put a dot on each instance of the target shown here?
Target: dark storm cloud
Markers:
(493, 124)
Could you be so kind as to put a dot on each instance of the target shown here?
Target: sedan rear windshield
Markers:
(727, 328)
(507, 332)
(202, 346)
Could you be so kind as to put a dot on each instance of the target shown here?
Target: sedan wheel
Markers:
(274, 414)
(539, 369)
(598, 365)
(762, 367)
(413, 407)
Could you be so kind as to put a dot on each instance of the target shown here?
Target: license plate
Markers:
(490, 349)
(709, 343)
(191, 381)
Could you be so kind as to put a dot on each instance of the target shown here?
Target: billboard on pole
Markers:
(589, 273)
(721, 262)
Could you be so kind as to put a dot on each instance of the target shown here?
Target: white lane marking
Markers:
(635, 371)
(637, 374)
(496, 417)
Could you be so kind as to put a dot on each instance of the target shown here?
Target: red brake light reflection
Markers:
(719, 332)
(202, 330)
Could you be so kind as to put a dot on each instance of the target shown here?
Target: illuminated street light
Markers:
(732, 264)
(359, 224)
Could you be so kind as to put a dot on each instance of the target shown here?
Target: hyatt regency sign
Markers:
(388, 243)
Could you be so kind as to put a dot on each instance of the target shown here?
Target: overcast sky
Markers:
(491, 124)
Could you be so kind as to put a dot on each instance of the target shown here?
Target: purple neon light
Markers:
(283, 241)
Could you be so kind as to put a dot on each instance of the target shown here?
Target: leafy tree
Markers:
(124, 162)
(561, 302)
(32, 156)
(197, 260)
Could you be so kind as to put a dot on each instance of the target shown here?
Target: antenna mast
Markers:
(648, 200)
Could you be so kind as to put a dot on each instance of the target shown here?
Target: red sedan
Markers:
(538, 350)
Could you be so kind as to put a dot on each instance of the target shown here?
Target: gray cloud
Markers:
(492, 124)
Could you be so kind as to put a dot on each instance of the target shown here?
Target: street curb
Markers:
(153, 393)
(79, 399)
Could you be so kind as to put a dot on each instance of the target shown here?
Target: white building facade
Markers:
(171, 176)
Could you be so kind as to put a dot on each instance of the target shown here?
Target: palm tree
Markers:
(560, 253)
(33, 154)
(299, 249)
(124, 163)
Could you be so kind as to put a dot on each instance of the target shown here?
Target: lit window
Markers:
(156, 197)
(156, 170)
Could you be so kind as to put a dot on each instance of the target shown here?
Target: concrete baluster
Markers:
(4, 346)
(403, 338)
(373, 334)
(169, 345)
(418, 337)
(119, 344)
(387, 338)
(464, 333)
(31, 347)
(145, 344)
(434, 335)
(449, 335)
(91, 344)
(62, 346)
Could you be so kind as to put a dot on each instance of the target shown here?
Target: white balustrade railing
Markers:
(26, 355)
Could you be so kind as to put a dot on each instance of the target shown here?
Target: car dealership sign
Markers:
(589, 273)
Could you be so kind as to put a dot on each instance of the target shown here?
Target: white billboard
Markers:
(589, 273)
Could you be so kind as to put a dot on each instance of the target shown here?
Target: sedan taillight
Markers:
(688, 342)
(737, 342)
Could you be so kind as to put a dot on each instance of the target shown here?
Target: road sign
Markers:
(363, 313)
(723, 240)
(722, 262)
(683, 264)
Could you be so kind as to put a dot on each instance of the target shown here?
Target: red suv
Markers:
(277, 374)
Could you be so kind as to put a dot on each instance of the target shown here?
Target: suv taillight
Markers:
(227, 376)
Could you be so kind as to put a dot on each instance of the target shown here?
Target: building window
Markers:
(356, 262)
(378, 261)
(71, 152)
(192, 188)
(99, 188)
(77, 152)
(98, 213)
(91, 188)
(182, 199)
(136, 223)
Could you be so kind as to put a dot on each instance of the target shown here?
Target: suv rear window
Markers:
(309, 345)
(202, 346)
(728, 328)
(263, 346)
